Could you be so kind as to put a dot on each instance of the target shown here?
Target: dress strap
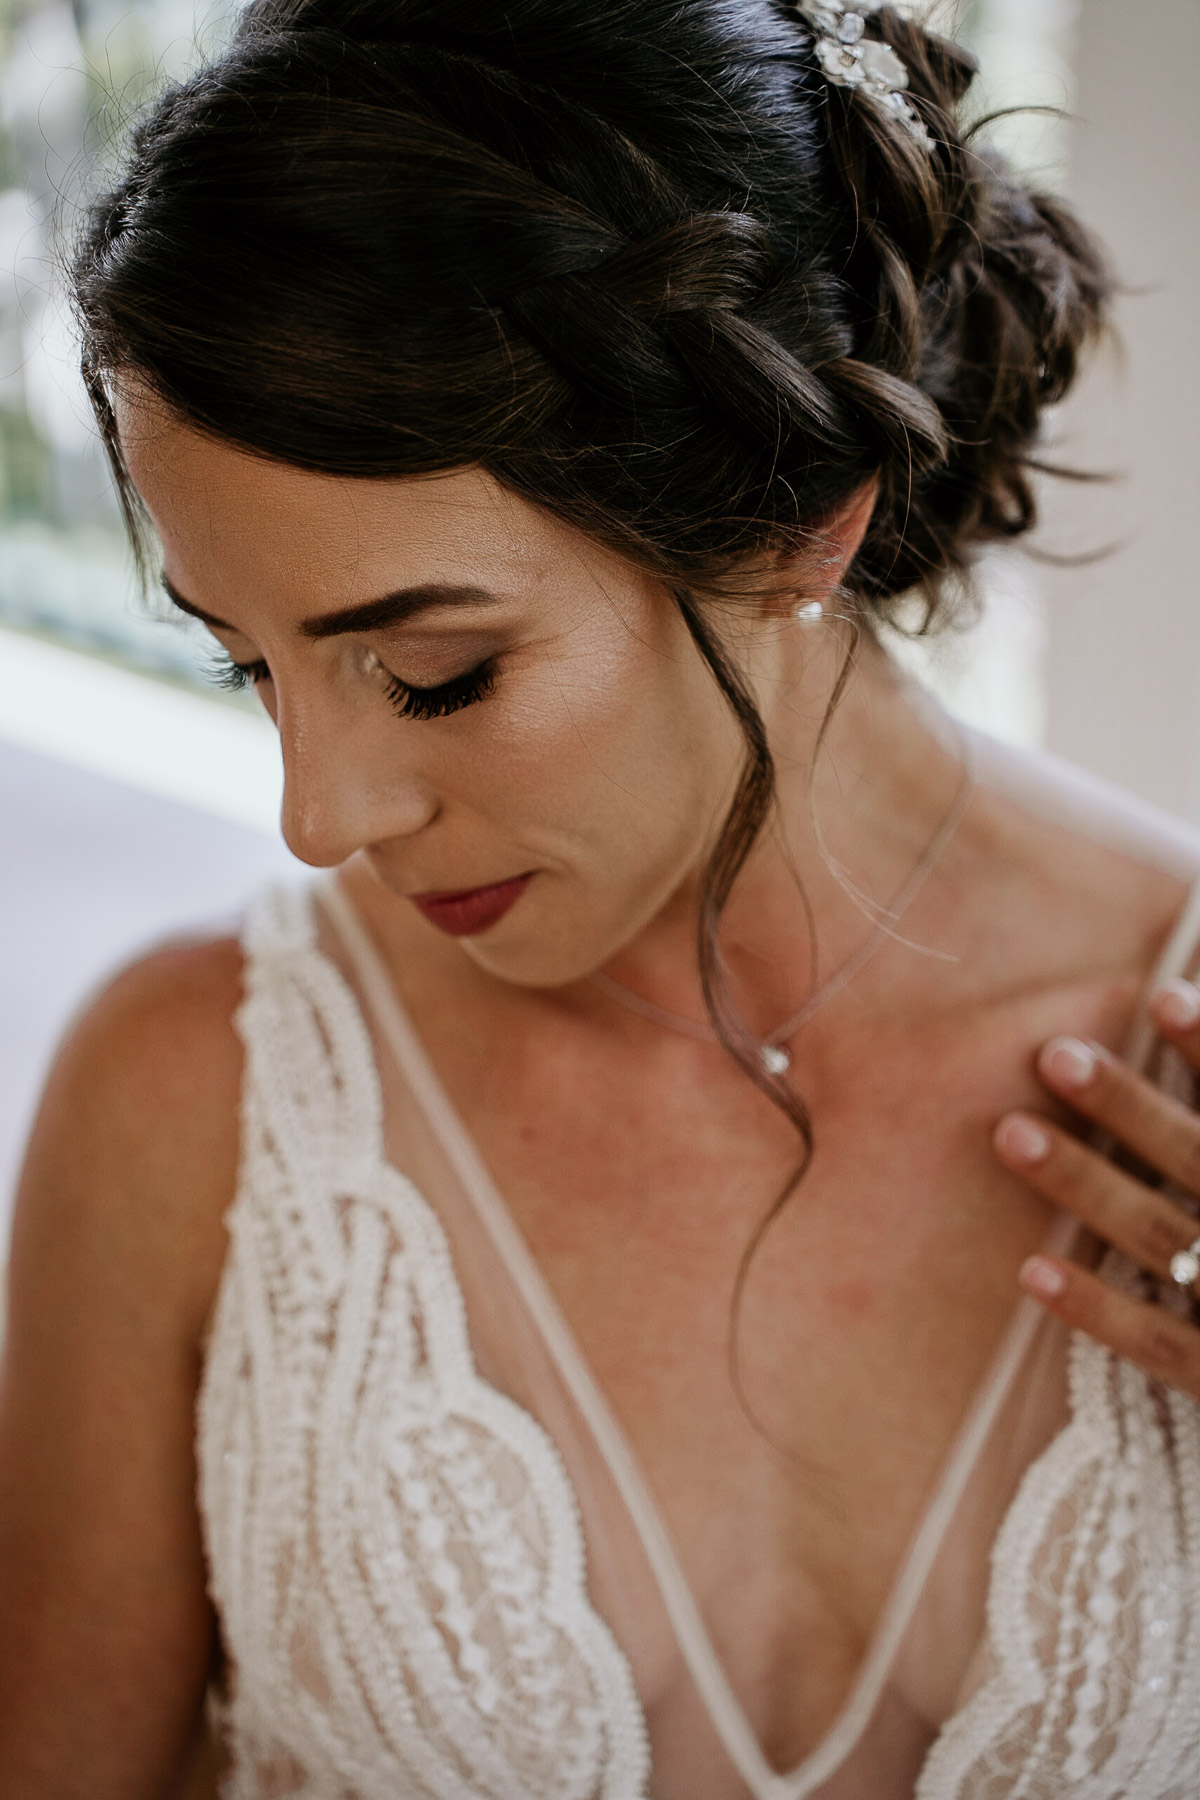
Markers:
(311, 1102)
(279, 922)
(1179, 956)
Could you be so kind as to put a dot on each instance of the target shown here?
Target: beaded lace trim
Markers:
(397, 1555)
(1093, 1690)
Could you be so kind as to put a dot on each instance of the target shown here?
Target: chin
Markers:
(563, 931)
(528, 960)
(550, 938)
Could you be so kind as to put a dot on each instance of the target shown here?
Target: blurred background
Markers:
(136, 801)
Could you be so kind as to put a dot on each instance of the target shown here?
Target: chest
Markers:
(790, 1388)
(649, 1190)
(395, 1556)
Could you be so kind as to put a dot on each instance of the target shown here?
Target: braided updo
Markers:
(638, 259)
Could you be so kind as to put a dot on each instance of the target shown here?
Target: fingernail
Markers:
(1177, 1005)
(1042, 1278)
(1022, 1139)
(1069, 1062)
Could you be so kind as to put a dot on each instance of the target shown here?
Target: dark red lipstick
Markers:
(472, 909)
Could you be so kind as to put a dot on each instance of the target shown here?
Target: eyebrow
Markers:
(370, 615)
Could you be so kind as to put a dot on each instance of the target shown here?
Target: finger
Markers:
(1159, 1130)
(1175, 1009)
(1146, 1335)
(1118, 1208)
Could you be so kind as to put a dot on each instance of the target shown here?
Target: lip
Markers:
(471, 910)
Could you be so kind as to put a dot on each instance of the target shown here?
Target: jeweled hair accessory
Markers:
(851, 60)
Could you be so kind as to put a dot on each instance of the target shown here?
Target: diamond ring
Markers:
(1185, 1264)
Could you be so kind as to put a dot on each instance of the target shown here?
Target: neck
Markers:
(863, 794)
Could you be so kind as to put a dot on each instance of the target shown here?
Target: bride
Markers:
(617, 1288)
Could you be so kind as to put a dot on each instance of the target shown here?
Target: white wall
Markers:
(93, 871)
(1123, 655)
(130, 810)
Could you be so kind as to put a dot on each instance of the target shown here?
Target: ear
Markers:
(817, 571)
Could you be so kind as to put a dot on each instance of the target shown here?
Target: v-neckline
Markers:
(725, 1710)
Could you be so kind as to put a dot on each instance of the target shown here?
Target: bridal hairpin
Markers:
(853, 61)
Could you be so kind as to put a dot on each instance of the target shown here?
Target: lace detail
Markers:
(397, 1556)
(1094, 1607)
(396, 1553)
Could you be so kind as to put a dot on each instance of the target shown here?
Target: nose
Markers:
(343, 791)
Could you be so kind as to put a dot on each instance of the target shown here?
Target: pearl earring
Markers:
(810, 612)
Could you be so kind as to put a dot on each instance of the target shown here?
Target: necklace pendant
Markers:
(775, 1059)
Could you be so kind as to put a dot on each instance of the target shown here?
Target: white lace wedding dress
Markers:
(441, 1575)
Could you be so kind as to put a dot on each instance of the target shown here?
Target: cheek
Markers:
(614, 748)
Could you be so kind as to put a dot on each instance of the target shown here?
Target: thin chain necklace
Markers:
(776, 1058)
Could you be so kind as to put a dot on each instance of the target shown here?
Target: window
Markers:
(66, 71)
(87, 673)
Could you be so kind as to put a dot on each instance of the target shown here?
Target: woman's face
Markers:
(466, 689)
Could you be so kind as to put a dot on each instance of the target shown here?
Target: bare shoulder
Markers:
(1113, 870)
(1088, 809)
(118, 1245)
(134, 1153)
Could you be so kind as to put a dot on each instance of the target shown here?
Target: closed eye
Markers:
(223, 672)
(448, 697)
(409, 701)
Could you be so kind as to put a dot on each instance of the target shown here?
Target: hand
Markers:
(1146, 1225)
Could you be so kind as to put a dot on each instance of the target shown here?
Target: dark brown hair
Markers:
(639, 259)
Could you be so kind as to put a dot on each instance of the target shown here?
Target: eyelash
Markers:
(448, 697)
(223, 672)
(408, 701)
